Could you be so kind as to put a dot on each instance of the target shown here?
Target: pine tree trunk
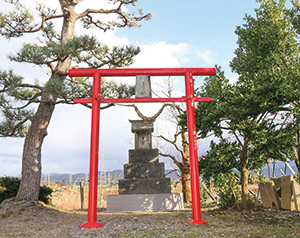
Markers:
(32, 150)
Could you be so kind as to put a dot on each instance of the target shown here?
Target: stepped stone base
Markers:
(138, 170)
(145, 202)
(143, 156)
(144, 186)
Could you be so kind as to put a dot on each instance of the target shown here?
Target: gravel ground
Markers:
(35, 220)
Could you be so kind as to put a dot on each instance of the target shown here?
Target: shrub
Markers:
(9, 188)
(226, 187)
(45, 194)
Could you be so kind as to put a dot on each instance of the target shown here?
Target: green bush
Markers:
(227, 189)
(9, 188)
(45, 194)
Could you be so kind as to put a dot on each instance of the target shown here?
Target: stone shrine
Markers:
(144, 187)
(143, 174)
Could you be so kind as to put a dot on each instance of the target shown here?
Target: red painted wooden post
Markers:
(194, 172)
(93, 183)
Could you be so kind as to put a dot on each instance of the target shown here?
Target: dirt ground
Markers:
(37, 220)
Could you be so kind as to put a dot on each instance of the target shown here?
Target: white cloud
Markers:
(161, 55)
(206, 56)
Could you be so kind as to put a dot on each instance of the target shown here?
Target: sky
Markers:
(190, 33)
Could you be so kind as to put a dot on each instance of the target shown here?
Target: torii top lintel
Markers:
(140, 71)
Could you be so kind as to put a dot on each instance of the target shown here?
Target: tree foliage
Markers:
(253, 118)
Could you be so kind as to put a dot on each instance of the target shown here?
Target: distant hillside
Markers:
(55, 177)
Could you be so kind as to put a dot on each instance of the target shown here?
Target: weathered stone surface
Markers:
(145, 202)
(141, 126)
(144, 186)
(287, 198)
(142, 134)
(144, 174)
(138, 170)
(296, 192)
(269, 196)
(143, 86)
(143, 156)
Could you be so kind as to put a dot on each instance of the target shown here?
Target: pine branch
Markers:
(14, 129)
(16, 24)
(126, 19)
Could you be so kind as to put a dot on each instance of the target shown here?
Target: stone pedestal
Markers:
(145, 202)
(144, 187)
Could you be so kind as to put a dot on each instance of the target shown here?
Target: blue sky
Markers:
(181, 34)
(207, 27)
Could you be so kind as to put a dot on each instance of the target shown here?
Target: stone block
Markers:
(287, 198)
(143, 86)
(145, 202)
(138, 170)
(296, 192)
(144, 186)
(143, 156)
(269, 196)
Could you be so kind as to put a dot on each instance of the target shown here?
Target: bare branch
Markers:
(174, 143)
(171, 157)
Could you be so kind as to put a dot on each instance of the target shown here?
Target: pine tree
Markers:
(59, 51)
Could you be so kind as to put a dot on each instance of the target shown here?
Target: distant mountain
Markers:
(55, 177)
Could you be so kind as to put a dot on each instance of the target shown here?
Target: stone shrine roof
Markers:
(141, 126)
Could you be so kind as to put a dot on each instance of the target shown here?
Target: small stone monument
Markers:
(144, 187)
(143, 174)
(143, 87)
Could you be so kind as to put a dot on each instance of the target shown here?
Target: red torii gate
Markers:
(96, 99)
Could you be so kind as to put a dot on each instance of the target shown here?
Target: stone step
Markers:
(143, 156)
(138, 170)
(144, 186)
